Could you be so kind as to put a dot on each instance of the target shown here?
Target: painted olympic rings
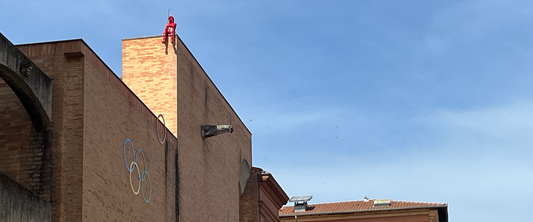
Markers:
(162, 141)
(138, 175)
(133, 153)
(144, 161)
(144, 176)
(141, 175)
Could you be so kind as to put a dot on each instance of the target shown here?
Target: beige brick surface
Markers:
(209, 168)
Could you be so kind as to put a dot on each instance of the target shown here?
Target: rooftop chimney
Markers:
(300, 203)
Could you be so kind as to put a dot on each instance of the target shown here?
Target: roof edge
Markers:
(54, 41)
(201, 67)
(372, 210)
(114, 76)
(143, 37)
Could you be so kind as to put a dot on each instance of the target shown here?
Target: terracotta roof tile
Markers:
(354, 206)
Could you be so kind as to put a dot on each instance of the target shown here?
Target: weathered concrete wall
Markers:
(18, 204)
(31, 85)
(23, 149)
(25, 111)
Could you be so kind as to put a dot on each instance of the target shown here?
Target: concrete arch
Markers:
(31, 85)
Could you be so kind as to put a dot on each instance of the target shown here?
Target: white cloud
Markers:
(482, 162)
(471, 21)
(510, 124)
(279, 119)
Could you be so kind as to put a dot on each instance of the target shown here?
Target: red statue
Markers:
(170, 29)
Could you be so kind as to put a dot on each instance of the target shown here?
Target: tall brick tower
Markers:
(151, 73)
(170, 81)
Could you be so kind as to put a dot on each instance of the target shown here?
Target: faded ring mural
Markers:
(142, 176)
(164, 136)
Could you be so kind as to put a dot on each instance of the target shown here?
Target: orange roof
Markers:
(356, 206)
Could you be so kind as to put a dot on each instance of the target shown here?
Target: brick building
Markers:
(262, 198)
(96, 149)
(366, 211)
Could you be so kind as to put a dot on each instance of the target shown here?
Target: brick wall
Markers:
(24, 150)
(209, 168)
(63, 61)
(151, 74)
(416, 215)
(262, 198)
(249, 200)
(94, 113)
(268, 211)
(15, 137)
(108, 194)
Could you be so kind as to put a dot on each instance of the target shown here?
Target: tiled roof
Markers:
(355, 206)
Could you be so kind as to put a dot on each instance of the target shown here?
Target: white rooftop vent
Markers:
(382, 203)
(300, 202)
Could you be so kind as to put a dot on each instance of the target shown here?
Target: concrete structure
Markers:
(105, 154)
(29, 83)
(20, 204)
(368, 211)
(25, 126)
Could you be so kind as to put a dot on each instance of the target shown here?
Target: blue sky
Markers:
(407, 100)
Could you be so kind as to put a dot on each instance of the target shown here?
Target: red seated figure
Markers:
(170, 29)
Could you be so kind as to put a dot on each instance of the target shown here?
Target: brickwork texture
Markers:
(209, 168)
(107, 159)
(93, 114)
